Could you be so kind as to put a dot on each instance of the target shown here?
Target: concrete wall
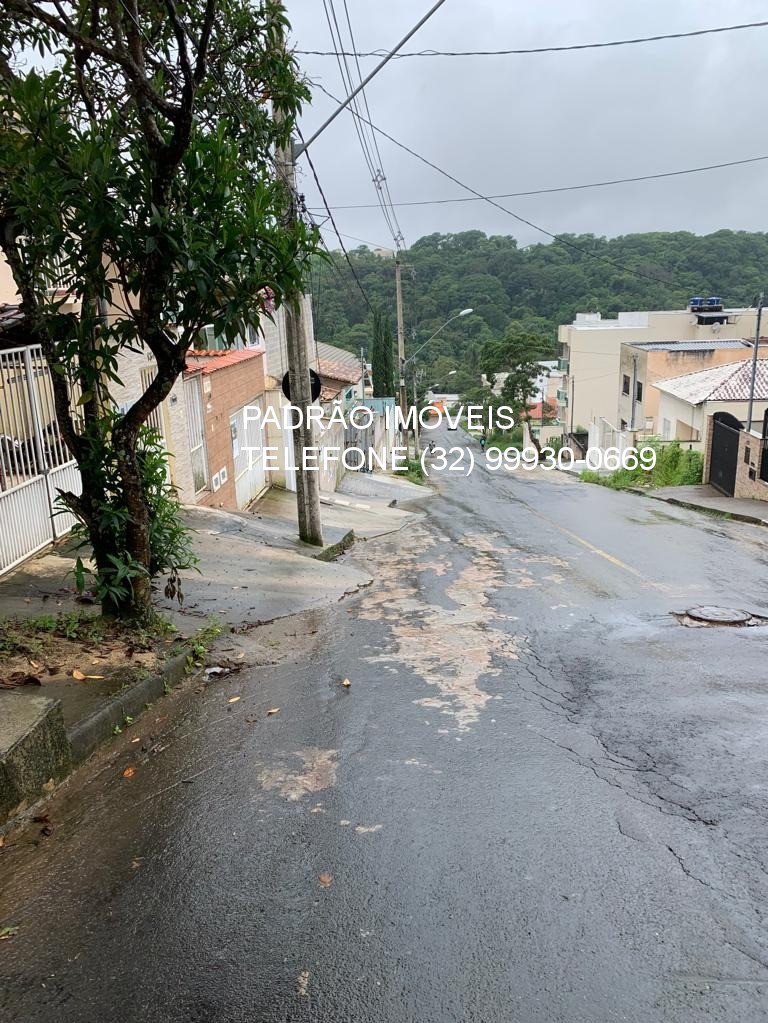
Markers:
(172, 413)
(663, 365)
(592, 346)
(748, 482)
(273, 333)
(688, 423)
(8, 293)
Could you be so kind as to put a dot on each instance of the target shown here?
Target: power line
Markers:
(333, 222)
(397, 237)
(564, 188)
(516, 216)
(366, 136)
(539, 49)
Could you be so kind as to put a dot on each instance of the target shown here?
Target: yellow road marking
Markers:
(601, 552)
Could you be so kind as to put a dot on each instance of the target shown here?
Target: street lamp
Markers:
(464, 312)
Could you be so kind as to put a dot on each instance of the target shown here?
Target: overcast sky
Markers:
(508, 124)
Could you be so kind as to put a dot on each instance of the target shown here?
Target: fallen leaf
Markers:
(34, 664)
(273, 710)
(137, 739)
(136, 863)
(129, 772)
(233, 699)
(77, 674)
(9, 932)
(346, 683)
(368, 829)
(2, 841)
(302, 983)
(27, 600)
(49, 786)
(326, 880)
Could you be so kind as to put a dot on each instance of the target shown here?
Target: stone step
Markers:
(34, 750)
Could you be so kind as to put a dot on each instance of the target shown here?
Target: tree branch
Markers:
(31, 11)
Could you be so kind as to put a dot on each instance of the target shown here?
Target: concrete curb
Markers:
(733, 516)
(332, 551)
(88, 734)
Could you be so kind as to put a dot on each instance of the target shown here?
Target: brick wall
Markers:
(225, 391)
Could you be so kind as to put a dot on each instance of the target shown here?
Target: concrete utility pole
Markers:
(307, 480)
(754, 363)
(401, 345)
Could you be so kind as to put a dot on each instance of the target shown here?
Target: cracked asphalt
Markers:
(541, 798)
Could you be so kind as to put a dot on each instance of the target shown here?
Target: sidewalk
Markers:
(253, 570)
(704, 497)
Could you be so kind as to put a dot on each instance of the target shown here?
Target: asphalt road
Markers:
(541, 799)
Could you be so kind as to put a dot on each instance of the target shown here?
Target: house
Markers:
(644, 363)
(342, 374)
(686, 402)
(591, 350)
(224, 439)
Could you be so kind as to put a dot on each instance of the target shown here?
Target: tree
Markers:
(136, 159)
(382, 356)
(518, 354)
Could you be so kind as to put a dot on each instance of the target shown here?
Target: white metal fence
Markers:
(34, 461)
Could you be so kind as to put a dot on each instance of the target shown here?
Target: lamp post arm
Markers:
(412, 357)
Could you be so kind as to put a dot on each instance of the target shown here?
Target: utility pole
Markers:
(307, 480)
(573, 392)
(634, 392)
(401, 346)
(754, 363)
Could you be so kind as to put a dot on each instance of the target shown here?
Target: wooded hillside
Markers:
(539, 285)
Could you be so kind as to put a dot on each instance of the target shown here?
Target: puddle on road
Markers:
(449, 648)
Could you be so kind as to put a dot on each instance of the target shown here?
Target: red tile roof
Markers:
(550, 410)
(210, 362)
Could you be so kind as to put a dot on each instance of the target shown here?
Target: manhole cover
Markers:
(719, 615)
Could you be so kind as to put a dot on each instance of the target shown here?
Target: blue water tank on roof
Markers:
(696, 302)
(714, 300)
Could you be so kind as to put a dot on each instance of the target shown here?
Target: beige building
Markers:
(686, 402)
(645, 363)
(591, 351)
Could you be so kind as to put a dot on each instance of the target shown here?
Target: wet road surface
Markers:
(541, 799)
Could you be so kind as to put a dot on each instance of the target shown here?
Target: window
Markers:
(625, 385)
(639, 391)
(666, 429)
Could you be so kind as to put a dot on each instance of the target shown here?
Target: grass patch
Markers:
(675, 467)
(414, 472)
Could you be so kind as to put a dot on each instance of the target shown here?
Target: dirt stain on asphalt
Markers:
(450, 648)
(319, 773)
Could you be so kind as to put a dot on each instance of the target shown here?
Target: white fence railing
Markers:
(34, 461)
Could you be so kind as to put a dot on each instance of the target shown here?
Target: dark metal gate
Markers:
(725, 452)
(764, 450)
